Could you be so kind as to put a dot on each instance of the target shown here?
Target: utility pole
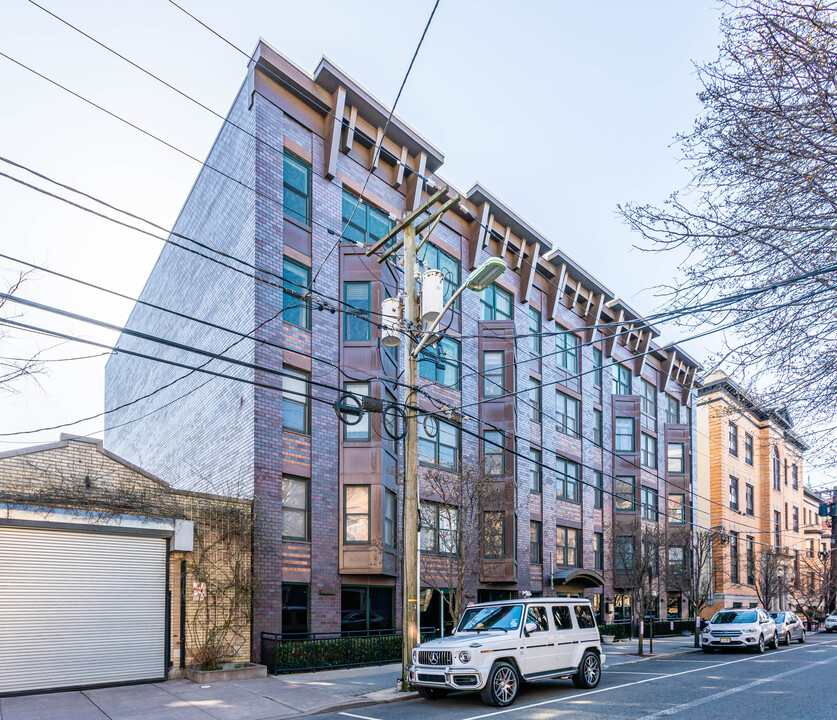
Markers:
(832, 555)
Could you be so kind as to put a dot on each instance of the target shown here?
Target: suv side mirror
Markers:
(529, 628)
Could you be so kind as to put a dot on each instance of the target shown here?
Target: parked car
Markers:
(498, 645)
(738, 627)
(831, 622)
(788, 627)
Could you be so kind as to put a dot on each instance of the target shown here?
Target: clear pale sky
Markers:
(562, 109)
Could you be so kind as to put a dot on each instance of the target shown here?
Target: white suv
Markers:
(498, 645)
(738, 627)
(831, 622)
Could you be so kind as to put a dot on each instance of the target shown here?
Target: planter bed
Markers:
(228, 671)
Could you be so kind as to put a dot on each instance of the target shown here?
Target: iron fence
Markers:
(627, 629)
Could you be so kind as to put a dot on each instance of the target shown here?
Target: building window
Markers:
(536, 400)
(493, 453)
(624, 435)
(648, 450)
(649, 504)
(358, 298)
(677, 560)
(295, 523)
(566, 553)
(786, 516)
(566, 480)
(434, 258)
(496, 303)
(494, 534)
(809, 548)
(368, 224)
(733, 557)
(534, 331)
(621, 380)
(390, 518)
(439, 526)
(296, 308)
(535, 471)
(672, 410)
(597, 367)
(294, 608)
(442, 363)
(733, 439)
(624, 549)
(566, 414)
(777, 471)
(493, 373)
(624, 489)
(749, 500)
(360, 431)
(438, 443)
(648, 404)
(598, 551)
(366, 608)
(598, 492)
(389, 421)
(794, 477)
(676, 509)
(566, 348)
(296, 188)
(676, 457)
(597, 427)
(777, 529)
(295, 400)
(796, 519)
(748, 449)
(535, 542)
(733, 493)
(751, 561)
(356, 509)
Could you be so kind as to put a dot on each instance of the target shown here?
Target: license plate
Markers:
(724, 640)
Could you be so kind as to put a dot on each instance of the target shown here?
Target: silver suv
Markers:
(498, 645)
(788, 627)
(737, 627)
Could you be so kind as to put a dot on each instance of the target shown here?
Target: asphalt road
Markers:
(794, 683)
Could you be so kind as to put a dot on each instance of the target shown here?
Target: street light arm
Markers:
(427, 333)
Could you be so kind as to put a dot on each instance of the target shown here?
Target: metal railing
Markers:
(627, 629)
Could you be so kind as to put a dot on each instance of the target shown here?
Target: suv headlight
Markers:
(705, 628)
(415, 657)
(464, 657)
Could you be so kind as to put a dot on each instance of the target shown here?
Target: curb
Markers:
(361, 701)
(653, 657)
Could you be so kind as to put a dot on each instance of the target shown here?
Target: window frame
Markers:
(648, 403)
(734, 493)
(563, 550)
(366, 208)
(288, 291)
(617, 445)
(486, 306)
(621, 497)
(598, 551)
(565, 423)
(491, 388)
(436, 440)
(646, 454)
(536, 544)
(749, 500)
(350, 431)
(536, 400)
(497, 444)
(535, 466)
(305, 167)
(670, 457)
(357, 313)
(748, 449)
(367, 514)
(390, 499)
(454, 360)
(487, 540)
(672, 410)
(567, 486)
(598, 427)
(621, 379)
(301, 376)
(305, 510)
(733, 439)
(650, 504)
(676, 509)
(535, 325)
(598, 490)
(597, 368)
(567, 355)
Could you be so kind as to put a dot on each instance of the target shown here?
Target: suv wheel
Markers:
(432, 693)
(589, 671)
(760, 647)
(502, 686)
(786, 640)
(802, 637)
(774, 643)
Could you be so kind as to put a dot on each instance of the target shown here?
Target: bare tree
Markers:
(762, 203)
(770, 574)
(14, 369)
(452, 525)
(694, 580)
(814, 585)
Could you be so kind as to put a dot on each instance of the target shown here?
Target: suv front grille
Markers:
(725, 633)
(435, 658)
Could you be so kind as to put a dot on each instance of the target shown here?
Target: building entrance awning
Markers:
(578, 577)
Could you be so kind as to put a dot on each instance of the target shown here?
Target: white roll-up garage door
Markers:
(80, 608)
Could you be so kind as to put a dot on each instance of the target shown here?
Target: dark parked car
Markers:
(788, 627)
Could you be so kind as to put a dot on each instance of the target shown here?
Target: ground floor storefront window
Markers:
(491, 595)
(367, 608)
(435, 612)
(622, 608)
(674, 605)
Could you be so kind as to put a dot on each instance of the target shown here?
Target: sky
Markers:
(562, 109)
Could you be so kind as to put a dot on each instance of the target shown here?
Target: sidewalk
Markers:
(271, 698)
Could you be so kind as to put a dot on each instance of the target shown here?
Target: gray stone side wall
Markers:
(186, 426)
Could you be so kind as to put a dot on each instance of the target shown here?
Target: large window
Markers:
(733, 558)
(439, 527)
(748, 448)
(777, 471)
(494, 534)
(566, 552)
(676, 509)
(777, 529)
(358, 299)
(567, 479)
(566, 414)
(295, 522)
(535, 542)
(566, 346)
(598, 493)
(294, 608)
(296, 188)
(366, 608)
(733, 439)
(493, 373)
(749, 500)
(368, 224)
(648, 404)
(535, 471)
(356, 509)
(751, 561)
(624, 488)
(796, 519)
(296, 308)
(677, 560)
(438, 443)
(496, 304)
(536, 400)
(598, 551)
(648, 450)
(676, 457)
(442, 363)
(597, 427)
(434, 258)
(295, 400)
(534, 331)
(624, 435)
(360, 431)
(623, 560)
(597, 367)
(390, 526)
(794, 477)
(493, 453)
(733, 493)
(649, 504)
(621, 380)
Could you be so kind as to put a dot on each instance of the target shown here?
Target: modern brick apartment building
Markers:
(750, 469)
(280, 183)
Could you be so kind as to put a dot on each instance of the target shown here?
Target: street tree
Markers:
(694, 579)
(761, 204)
(771, 573)
(814, 585)
(13, 370)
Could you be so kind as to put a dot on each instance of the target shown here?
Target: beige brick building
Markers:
(114, 569)
(750, 481)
